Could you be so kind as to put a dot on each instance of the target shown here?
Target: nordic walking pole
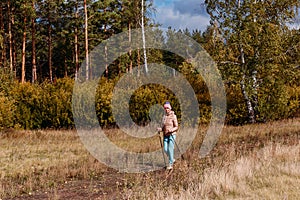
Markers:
(178, 148)
(162, 148)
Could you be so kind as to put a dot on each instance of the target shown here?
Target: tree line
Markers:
(43, 41)
(49, 39)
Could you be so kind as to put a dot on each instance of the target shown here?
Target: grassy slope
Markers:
(259, 161)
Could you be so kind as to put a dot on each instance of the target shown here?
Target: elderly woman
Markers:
(169, 128)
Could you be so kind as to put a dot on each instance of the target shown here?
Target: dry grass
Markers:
(38, 160)
(259, 161)
(270, 173)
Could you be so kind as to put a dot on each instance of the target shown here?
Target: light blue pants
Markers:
(169, 142)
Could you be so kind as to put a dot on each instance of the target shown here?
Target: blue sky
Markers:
(181, 14)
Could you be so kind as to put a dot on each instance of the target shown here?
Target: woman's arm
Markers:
(175, 125)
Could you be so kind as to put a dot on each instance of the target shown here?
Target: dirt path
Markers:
(106, 188)
(111, 186)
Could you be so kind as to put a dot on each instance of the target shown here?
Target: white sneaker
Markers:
(174, 161)
(170, 167)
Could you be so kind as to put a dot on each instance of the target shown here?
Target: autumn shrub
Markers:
(43, 105)
(278, 101)
(7, 104)
(7, 110)
(27, 101)
(135, 104)
(103, 102)
(293, 93)
(51, 105)
(236, 108)
(56, 106)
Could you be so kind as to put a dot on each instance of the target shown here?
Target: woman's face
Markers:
(167, 110)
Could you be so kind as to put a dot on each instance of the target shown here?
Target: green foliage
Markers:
(249, 40)
(7, 103)
(84, 104)
(27, 98)
(279, 102)
(7, 81)
(293, 94)
(147, 96)
(236, 109)
(35, 106)
(138, 104)
(7, 110)
(257, 53)
(56, 104)
(49, 105)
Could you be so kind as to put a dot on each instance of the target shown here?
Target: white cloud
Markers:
(182, 15)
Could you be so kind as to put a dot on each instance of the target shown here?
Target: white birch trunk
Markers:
(254, 78)
(144, 39)
(251, 113)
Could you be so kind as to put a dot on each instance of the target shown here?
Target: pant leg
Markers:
(166, 144)
(172, 139)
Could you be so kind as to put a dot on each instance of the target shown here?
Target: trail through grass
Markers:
(260, 161)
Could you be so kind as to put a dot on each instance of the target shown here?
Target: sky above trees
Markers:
(191, 14)
(181, 14)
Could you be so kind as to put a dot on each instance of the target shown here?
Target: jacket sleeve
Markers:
(175, 124)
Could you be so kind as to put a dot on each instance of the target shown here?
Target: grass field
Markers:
(260, 161)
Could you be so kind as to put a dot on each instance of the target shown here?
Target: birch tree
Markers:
(143, 37)
(251, 30)
(86, 39)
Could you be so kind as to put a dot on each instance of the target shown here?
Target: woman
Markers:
(169, 128)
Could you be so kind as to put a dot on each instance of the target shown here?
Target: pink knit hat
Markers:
(167, 105)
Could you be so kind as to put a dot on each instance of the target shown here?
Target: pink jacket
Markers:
(169, 124)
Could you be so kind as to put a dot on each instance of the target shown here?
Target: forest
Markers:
(45, 43)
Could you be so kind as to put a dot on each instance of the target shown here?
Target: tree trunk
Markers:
(251, 113)
(50, 52)
(106, 62)
(254, 98)
(14, 59)
(130, 50)
(11, 21)
(65, 66)
(24, 52)
(76, 44)
(254, 77)
(76, 54)
(34, 74)
(138, 62)
(14, 48)
(2, 37)
(86, 41)
(144, 39)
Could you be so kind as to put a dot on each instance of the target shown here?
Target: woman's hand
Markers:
(169, 131)
(159, 129)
